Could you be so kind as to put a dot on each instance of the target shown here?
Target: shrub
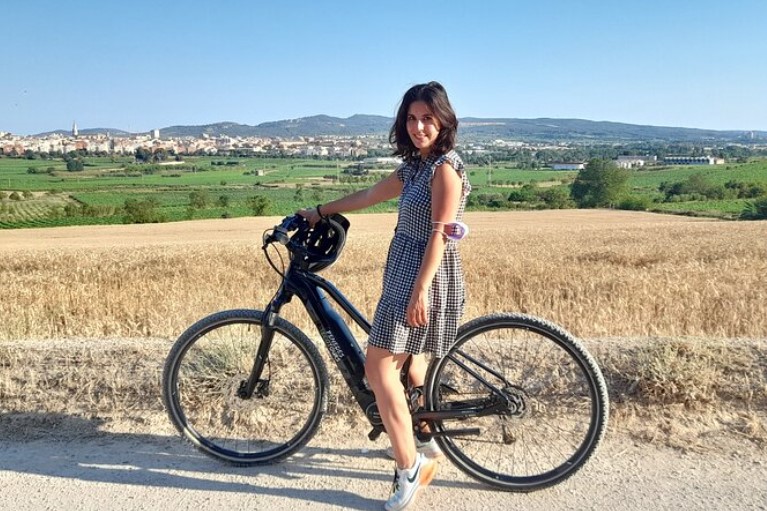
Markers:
(755, 190)
(634, 204)
(746, 190)
(75, 165)
(755, 210)
(259, 204)
(14, 196)
(695, 187)
(525, 194)
(142, 211)
(556, 198)
(491, 200)
(199, 199)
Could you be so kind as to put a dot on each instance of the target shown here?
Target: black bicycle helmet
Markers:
(320, 246)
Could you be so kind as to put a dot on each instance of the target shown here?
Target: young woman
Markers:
(423, 290)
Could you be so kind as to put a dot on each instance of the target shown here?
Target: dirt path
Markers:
(143, 471)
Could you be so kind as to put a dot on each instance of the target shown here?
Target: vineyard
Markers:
(38, 210)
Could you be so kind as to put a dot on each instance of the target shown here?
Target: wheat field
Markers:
(674, 308)
(597, 273)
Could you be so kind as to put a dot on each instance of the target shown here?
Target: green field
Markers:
(646, 183)
(755, 172)
(39, 193)
(501, 175)
(97, 194)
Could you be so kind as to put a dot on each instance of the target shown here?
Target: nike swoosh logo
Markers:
(412, 479)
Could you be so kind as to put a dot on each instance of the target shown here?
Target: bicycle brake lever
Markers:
(281, 235)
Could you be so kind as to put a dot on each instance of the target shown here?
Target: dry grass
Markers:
(687, 288)
(42, 384)
(686, 392)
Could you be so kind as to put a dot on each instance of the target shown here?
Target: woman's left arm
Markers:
(446, 190)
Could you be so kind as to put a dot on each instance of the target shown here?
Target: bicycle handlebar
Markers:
(280, 233)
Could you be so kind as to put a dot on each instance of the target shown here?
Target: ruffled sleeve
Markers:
(456, 162)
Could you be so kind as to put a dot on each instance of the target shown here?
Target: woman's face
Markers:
(422, 126)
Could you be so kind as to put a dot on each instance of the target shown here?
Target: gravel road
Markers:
(114, 471)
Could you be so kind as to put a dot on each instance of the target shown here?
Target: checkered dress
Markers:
(446, 293)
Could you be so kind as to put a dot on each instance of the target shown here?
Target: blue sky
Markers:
(138, 65)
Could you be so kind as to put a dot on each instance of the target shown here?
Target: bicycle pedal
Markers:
(375, 433)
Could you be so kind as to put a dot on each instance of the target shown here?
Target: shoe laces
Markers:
(395, 481)
(397, 473)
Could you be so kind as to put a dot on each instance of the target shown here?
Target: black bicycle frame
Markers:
(313, 291)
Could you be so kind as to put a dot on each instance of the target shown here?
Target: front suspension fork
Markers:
(254, 383)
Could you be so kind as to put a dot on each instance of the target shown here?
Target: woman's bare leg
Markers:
(382, 369)
(417, 376)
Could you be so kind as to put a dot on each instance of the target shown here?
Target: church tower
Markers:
(74, 129)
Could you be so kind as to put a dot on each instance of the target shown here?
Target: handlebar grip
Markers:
(280, 233)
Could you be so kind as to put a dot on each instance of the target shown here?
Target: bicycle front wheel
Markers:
(531, 404)
(203, 374)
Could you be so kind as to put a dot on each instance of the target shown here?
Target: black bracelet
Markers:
(320, 212)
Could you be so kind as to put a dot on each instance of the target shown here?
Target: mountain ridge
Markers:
(536, 129)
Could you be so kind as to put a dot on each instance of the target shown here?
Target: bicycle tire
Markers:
(554, 399)
(202, 375)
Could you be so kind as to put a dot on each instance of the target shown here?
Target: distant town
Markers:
(205, 145)
(370, 149)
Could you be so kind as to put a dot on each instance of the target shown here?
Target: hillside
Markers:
(471, 127)
(543, 129)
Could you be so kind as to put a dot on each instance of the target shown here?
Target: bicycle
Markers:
(517, 403)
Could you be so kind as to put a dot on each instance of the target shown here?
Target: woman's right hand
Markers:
(311, 214)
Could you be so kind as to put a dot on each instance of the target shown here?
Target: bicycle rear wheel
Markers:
(535, 399)
(203, 373)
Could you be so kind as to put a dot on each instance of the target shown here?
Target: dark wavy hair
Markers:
(435, 97)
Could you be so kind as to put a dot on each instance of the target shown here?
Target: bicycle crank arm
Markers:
(457, 432)
(375, 433)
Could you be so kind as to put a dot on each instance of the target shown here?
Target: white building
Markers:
(693, 160)
(630, 162)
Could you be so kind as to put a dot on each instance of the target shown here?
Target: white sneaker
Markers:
(429, 449)
(408, 481)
